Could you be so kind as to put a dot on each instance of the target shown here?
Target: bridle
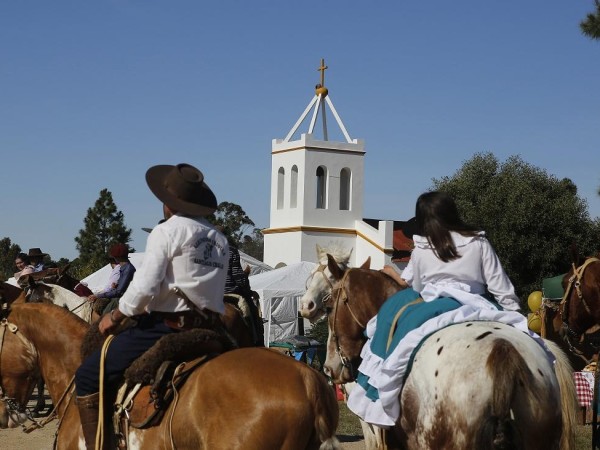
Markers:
(339, 294)
(575, 282)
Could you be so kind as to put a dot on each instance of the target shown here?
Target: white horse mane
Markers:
(340, 253)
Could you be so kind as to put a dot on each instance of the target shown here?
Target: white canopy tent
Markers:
(280, 292)
(98, 279)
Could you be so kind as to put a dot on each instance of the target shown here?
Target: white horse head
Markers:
(319, 284)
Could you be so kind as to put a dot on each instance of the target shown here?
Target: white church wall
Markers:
(374, 242)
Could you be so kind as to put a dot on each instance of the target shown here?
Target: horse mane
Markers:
(340, 253)
(48, 313)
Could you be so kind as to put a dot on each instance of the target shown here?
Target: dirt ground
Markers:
(42, 439)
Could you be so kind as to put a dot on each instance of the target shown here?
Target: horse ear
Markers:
(349, 254)
(64, 269)
(334, 268)
(247, 270)
(574, 254)
(320, 252)
(366, 264)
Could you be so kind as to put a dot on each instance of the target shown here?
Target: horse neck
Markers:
(369, 289)
(583, 312)
(57, 335)
(63, 296)
(68, 282)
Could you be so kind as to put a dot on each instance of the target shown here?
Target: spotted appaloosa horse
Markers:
(249, 398)
(472, 385)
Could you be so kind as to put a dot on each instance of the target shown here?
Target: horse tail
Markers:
(325, 407)
(508, 370)
(568, 395)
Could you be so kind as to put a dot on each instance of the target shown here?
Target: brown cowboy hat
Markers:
(182, 188)
(33, 252)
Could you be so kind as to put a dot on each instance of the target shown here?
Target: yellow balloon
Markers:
(535, 300)
(534, 322)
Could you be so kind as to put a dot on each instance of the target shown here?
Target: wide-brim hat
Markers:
(33, 252)
(182, 188)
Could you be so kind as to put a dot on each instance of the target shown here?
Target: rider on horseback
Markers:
(238, 284)
(179, 286)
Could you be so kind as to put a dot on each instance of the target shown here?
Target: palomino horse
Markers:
(248, 398)
(471, 385)
(580, 306)
(20, 358)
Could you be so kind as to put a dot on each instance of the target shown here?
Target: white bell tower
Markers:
(316, 187)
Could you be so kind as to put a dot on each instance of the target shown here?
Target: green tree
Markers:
(233, 220)
(254, 244)
(8, 253)
(530, 217)
(591, 25)
(104, 225)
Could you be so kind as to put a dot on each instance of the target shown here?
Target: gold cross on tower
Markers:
(322, 70)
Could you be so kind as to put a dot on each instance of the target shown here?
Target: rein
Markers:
(342, 295)
(574, 281)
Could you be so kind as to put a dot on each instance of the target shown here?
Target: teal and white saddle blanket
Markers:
(402, 323)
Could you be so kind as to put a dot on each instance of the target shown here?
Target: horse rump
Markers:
(512, 382)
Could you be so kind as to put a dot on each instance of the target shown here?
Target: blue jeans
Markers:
(125, 348)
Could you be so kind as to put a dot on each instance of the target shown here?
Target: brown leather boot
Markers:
(88, 413)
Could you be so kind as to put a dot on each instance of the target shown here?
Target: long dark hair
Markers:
(24, 257)
(436, 216)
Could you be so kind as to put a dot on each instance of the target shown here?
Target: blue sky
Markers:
(94, 93)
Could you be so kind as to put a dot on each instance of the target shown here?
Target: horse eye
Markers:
(328, 310)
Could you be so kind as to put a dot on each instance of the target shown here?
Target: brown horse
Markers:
(580, 352)
(580, 306)
(247, 398)
(471, 385)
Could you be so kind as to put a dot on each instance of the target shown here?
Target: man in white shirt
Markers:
(179, 286)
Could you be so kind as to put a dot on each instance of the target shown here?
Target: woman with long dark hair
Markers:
(454, 259)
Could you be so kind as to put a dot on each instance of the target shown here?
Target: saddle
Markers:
(153, 380)
(143, 406)
(251, 314)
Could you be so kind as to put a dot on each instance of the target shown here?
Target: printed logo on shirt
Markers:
(207, 254)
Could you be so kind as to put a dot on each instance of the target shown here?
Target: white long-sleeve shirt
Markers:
(185, 253)
(465, 278)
